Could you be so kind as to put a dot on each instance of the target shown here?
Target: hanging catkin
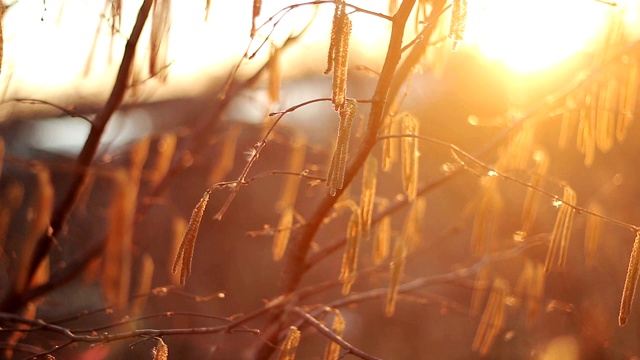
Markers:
(396, 268)
(338, 56)
(161, 351)
(368, 195)
(338, 165)
(409, 154)
(558, 247)
(458, 22)
(116, 277)
(533, 196)
(382, 238)
(592, 233)
(290, 344)
(184, 257)
(274, 76)
(352, 248)
(282, 233)
(297, 155)
(332, 351)
(630, 283)
(493, 318)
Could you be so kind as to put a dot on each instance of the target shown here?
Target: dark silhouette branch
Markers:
(12, 300)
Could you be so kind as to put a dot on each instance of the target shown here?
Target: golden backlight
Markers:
(531, 35)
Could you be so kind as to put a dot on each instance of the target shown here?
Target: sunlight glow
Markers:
(47, 46)
(531, 35)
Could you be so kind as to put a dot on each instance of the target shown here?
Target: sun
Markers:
(531, 35)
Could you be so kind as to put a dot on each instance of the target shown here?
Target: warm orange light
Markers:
(530, 35)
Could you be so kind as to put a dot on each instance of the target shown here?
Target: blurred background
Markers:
(517, 57)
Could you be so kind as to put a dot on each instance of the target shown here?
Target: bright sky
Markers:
(48, 49)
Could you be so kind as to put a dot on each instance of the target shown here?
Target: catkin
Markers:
(558, 247)
(608, 131)
(593, 230)
(12, 198)
(274, 76)
(119, 244)
(389, 146)
(338, 165)
(144, 284)
(368, 195)
(410, 156)
(166, 148)
(536, 293)
(411, 231)
(139, 153)
(486, 219)
(525, 280)
(568, 116)
(289, 191)
(225, 161)
(116, 276)
(339, 54)
(178, 228)
(627, 98)
(458, 22)
(533, 196)
(39, 224)
(530, 287)
(332, 351)
(480, 290)
(352, 248)
(382, 240)
(159, 39)
(207, 6)
(493, 318)
(290, 344)
(2, 149)
(161, 351)
(282, 233)
(185, 253)
(632, 92)
(396, 269)
(630, 282)
(590, 130)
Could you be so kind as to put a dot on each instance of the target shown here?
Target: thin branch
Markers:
(489, 169)
(65, 110)
(107, 338)
(422, 282)
(331, 335)
(255, 153)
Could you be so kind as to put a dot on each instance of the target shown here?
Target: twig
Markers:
(489, 169)
(106, 337)
(48, 103)
(255, 153)
(331, 335)
(439, 279)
